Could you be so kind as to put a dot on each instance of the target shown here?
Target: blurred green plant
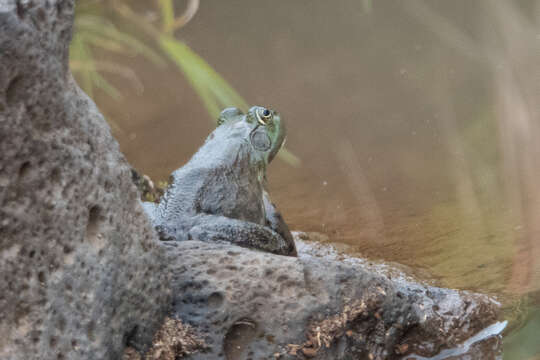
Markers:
(96, 32)
(93, 31)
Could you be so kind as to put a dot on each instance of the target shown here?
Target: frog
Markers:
(221, 194)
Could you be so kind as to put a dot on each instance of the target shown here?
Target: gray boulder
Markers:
(81, 272)
(254, 305)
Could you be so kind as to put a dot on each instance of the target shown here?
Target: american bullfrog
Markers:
(220, 195)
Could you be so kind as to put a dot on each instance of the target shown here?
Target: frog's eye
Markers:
(264, 116)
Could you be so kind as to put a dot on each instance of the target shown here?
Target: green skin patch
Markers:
(268, 131)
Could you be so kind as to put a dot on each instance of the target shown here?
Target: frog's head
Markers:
(266, 129)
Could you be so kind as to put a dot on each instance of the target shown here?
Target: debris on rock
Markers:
(148, 190)
(174, 340)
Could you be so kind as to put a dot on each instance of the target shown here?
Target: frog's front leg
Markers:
(239, 232)
(275, 221)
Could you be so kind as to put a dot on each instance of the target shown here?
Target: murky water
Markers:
(416, 124)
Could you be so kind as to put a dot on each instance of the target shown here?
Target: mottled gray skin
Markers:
(219, 195)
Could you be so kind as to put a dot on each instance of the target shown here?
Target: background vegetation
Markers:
(152, 37)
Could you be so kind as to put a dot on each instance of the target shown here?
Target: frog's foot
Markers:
(165, 234)
(241, 233)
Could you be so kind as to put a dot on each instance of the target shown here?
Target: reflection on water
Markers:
(416, 123)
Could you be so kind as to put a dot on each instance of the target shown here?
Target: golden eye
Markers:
(264, 116)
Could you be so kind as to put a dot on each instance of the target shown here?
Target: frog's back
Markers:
(220, 179)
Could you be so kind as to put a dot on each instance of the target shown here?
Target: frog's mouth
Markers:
(279, 141)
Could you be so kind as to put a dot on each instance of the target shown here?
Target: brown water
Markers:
(415, 123)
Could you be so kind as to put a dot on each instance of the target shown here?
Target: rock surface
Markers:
(254, 305)
(82, 275)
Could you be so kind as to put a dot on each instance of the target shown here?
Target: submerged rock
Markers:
(81, 272)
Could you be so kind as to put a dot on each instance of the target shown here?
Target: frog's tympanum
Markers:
(219, 195)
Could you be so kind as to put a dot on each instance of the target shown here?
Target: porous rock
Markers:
(253, 305)
(81, 272)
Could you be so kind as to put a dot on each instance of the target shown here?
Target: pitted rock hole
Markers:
(20, 10)
(53, 341)
(59, 7)
(41, 277)
(24, 169)
(93, 234)
(41, 15)
(215, 300)
(238, 338)
(130, 337)
(90, 331)
(56, 175)
(14, 89)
